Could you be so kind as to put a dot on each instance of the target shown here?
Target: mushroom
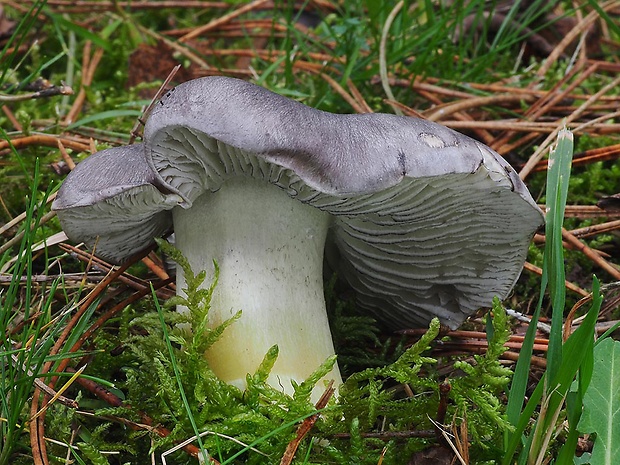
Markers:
(420, 220)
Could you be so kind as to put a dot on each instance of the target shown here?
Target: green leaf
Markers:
(601, 414)
(105, 115)
(79, 30)
(558, 174)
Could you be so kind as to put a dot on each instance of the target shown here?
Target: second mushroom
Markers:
(420, 220)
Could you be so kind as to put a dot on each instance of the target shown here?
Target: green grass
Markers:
(23, 351)
(566, 360)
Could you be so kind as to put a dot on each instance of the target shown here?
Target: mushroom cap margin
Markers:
(111, 202)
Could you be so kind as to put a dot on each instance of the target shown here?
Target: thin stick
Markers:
(134, 131)
(46, 140)
(591, 254)
(65, 156)
(476, 102)
(21, 217)
(536, 156)
(183, 50)
(9, 114)
(343, 93)
(306, 426)
(358, 97)
(18, 237)
(51, 92)
(572, 35)
(49, 391)
(570, 286)
(88, 72)
(382, 55)
(222, 20)
(596, 229)
(405, 109)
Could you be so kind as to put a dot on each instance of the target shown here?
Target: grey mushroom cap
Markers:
(426, 221)
(111, 203)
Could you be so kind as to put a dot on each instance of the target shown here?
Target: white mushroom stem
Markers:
(269, 248)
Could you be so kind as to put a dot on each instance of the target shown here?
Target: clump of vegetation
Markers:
(166, 375)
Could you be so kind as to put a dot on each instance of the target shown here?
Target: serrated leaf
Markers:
(601, 414)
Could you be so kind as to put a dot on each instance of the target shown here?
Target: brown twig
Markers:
(145, 114)
(222, 20)
(591, 254)
(570, 286)
(11, 117)
(125, 278)
(89, 66)
(21, 217)
(155, 267)
(16, 239)
(81, 6)
(588, 211)
(572, 35)
(65, 156)
(37, 434)
(408, 111)
(596, 229)
(71, 403)
(52, 91)
(177, 47)
(571, 316)
(610, 152)
(440, 112)
(525, 126)
(344, 94)
(557, 93)
(306, 426)
(538, 154)
(46, 140)
(540, 239)
(359, 98)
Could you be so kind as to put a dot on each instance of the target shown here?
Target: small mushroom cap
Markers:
(111, 203)
(426, 221)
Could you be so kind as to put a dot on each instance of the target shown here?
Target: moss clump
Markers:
(377, 414)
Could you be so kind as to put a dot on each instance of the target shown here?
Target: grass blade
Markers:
(557, 191)
(553, 275)
(177, 376)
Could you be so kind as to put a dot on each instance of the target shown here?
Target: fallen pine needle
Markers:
(306, 426)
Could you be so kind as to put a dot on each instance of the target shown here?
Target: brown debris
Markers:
(152, 63)
(306, 426)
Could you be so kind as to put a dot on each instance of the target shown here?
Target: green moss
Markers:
(371, 401)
